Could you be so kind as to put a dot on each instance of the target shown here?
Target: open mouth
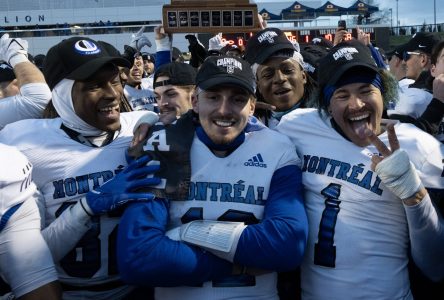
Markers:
(110, 111)
(282, 92)
(224, 123)
(359, 123)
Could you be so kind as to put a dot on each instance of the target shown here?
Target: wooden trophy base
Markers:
(212, 16)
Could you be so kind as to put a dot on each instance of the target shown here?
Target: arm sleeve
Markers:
(29, 104)
(72, 223)
(162, 58)
(429, 121)
(426, 229)
(146, 256)
(25, 260)
(279, 241)
(377, 57)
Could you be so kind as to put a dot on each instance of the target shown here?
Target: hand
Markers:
(13, 50)
(159, 32)
(216, 43)
(162, 39)
(265, 106)
(363, 37)
(438, 87)
(394, 166)
(142, 125)
(339, 36)
(262, 22)
(122, 188)
(139, 40)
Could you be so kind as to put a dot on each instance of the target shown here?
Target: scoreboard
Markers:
(303, 36)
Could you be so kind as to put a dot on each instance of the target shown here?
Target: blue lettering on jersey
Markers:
(343, 171)
(82, 184)
(226, 192)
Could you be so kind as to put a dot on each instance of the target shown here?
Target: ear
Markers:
(252, 106)
(195, 102)
(304, 77)
(433, 71)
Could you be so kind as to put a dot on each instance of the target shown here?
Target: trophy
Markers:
(210, 16)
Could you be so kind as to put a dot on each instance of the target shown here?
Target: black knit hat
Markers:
(179, 74)
(264, 43)
(6, 72)
(77, 58)
(226, 70)
(342, 58)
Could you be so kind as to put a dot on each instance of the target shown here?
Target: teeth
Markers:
(109, 108)
(360, 117)
(223, 123)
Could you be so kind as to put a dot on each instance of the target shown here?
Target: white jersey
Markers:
(25, 268)
(64, 170)
(143, 98)
(358, 233)
(412, 102)
(29, 104)
(215, 193)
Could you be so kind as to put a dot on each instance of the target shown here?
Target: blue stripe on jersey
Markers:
(7, 215)
(278, 242)
(146, 256)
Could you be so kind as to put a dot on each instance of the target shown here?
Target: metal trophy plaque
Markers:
(212, 16)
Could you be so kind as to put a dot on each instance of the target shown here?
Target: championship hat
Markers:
(266, 42)
(179, 74)
(341, 58)
(78, 58)
(225, 70)
(6, 72)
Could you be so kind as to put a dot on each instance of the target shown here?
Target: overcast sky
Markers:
(410, 12)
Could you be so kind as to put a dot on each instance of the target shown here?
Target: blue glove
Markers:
(122, 188)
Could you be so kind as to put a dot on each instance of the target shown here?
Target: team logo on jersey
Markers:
(255, 161)
(86, 47)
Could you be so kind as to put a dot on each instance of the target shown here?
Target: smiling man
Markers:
(79, 165)
(242, 199)
(174, 85)
(367, 204)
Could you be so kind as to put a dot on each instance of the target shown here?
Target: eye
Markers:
(288, 70)
(340, 96)
(171, 95)
(267, 74)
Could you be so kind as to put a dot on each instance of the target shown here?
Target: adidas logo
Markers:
(255, 161)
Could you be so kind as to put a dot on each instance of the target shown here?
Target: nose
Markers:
(111, 91)
(162, 100)
(224, 107)
(279, 76)
(355, 103)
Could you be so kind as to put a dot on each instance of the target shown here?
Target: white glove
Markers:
(139, 40)
(399, 174)
(215, 43)
(13, 50)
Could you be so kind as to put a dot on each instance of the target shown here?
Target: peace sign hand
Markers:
(394, 166)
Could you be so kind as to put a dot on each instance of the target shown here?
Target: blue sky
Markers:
(410, 12)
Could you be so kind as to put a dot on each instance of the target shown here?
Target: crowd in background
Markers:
(326, 160)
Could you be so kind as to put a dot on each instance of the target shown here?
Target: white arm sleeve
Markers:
(25, 260)
(426, 228)
(72, 223)
(29, 104)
